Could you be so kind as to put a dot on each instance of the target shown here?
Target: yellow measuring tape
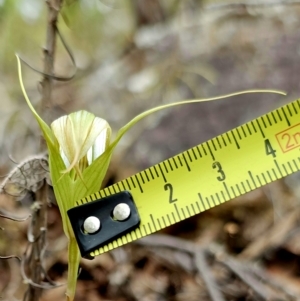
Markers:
(243, 159)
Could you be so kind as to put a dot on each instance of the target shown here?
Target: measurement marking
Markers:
(277, 111)
(175, 162)
(252, 179)
(186, 163)
(183, 213)
(228, 138)
(163, 219)
(202, 203)
(286, 172)
(290, 166)
(193, 209)
(248, 183)
(291, 114)
(258, 179)
(263, 175)
(208, 202)
(274, 118)
(132, 182)
(204, 149)
(224, 140)
(213, 157)
(169, 219)
(248, 128)
(261, 131)
(298, 103)
(244, 187)
(213, 200)
(118, 187)
(165, 166)
(262, 118)
(237, 145)
(137, 180)
(253, 126)
(286, 118)
(269, 120)
(113, 187)
(145, 229)
(162, 173)
(158, 223)
(237, 130)
(223, 196)
(219, 201)
(169, 162)
(194, 153)
(212, 141)
(244, 132)
(278, 167)
(269, 175)
(104, 191)
(188, 210)
(156, 171)
(199, 151)
(179, 160)
(238, 188)
(145, 171)
(149, 226)
(141, 176)
(295, 163)
(152, 176)
(219, 143)
(177, 211)
(233, 191)
(226, 188)
(191, 160)
(173, 215)
(276, 177)
(293, 105)
(198, 207)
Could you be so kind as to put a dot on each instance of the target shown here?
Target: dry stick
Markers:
(159, 240)
(257, 4)
(49, 55)
(36, 236)
(205, 273)
(39, 215)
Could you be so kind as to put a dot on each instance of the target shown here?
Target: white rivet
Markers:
(91, 224)
(121, 212)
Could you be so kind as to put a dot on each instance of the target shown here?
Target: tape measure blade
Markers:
(252, 155)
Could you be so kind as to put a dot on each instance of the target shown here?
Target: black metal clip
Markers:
(110, 228)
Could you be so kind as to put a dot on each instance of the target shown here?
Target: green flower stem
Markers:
(73, 261)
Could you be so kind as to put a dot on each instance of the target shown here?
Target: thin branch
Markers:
(204, 271)
(16, 219)
(243, 5)
(54, 7)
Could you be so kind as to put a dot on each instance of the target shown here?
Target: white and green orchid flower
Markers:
(80, 150)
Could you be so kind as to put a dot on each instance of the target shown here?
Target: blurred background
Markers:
(132, 55)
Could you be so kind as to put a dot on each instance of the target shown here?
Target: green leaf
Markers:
(44, 127)
(136, 119)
